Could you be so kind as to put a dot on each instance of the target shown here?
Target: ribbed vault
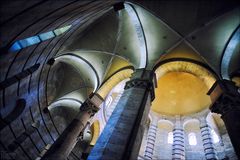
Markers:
(73, 48)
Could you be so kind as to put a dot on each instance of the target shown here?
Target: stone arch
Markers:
(191, 120)
(198, 70)
(166, 122)
(95, 128)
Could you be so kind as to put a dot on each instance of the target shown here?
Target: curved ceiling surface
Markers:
(101, 47)
(180, 93)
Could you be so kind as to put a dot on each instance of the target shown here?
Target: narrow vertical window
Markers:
(192, 139)
(170, 137)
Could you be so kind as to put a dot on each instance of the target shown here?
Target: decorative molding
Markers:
(144, 79)
(92, 104)
(225, 97)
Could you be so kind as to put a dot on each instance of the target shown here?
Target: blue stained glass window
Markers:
(47, 35)
(29, 41)
(16, 46)
(20, 44)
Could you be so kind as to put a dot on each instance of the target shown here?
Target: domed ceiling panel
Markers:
(101, 35)
(180, 15)
(128, 44)
(235, 61)
(117, 63)
(183, 50)
(230, 60)
(79, 94)
(57, 81)
(159, 36)
(82, 67)
(211, 40)
(180, 93)
(65, 108)
(99, 60)
(185, 16)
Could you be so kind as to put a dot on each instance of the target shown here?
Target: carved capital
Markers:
(228, 97)
(142, 79)
(203, 122)
(92, 104)
(89, 107)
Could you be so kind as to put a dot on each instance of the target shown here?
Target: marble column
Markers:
(151, 137)
(122, 135)
(178, 147)
(208, 147)
(63, 146)
(226, 101)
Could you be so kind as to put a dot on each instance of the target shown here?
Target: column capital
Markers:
(225, 97)
(143, 78)
(154, 120)
(92, 104)
(203, 123)
(178, 122)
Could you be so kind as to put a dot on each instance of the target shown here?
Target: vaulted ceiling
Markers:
(64, 50)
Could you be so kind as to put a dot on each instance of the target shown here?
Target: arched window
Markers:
(170, 137)
(214, 136)
(192, 139)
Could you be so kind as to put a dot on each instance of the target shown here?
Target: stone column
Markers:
(207, 140)
(63, 146)
(122, 135)
(178, 147)
(148, 154)
(226, 101)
